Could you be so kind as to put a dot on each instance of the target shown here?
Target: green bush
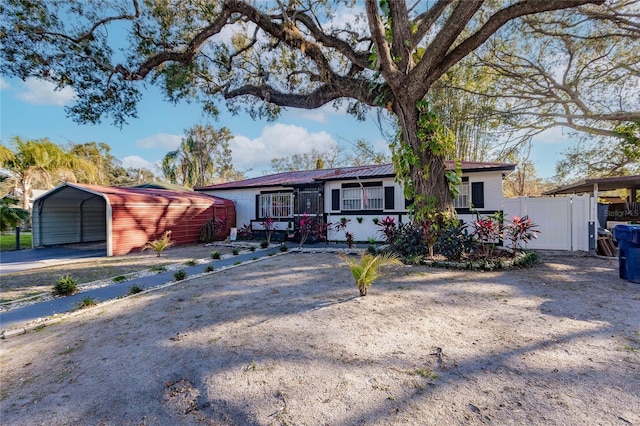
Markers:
(264, 244)
(235, 251)
(191, 262)
(179, 275)
(209, 268)
(119, 279)
(65, 286)
(410, 240)
(283, 248)
(135, 289)
(252, 248)
(158, 268)
(453, 241)
(215, 255)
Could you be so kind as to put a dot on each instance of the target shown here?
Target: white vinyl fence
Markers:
(563, 222)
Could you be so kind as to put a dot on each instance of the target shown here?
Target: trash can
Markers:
(628, 237)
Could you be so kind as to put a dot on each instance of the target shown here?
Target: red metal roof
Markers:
(121, 195)
(312, 176)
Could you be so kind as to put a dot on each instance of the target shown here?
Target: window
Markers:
(462, 199)
(358, 198)
(275, 205)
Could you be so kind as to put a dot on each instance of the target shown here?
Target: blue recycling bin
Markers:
(628, 237)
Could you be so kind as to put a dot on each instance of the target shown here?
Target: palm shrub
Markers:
(365, 270)
(11, 216)
(159, 245)
(65, 286)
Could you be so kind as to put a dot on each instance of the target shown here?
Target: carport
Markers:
(126, 218)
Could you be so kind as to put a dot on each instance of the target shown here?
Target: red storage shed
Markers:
(126, 218)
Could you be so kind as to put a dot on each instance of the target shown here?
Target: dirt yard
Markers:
(31, 282)
(287, 341)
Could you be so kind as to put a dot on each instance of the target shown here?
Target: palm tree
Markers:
(11, 216)
(202, 158)
(159, 245)
(39, 161)
(365, 269)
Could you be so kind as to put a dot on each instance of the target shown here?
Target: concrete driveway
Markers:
(20, 260)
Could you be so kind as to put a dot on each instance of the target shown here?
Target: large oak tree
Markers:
(303, 54)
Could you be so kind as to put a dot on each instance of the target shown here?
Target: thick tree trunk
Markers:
(427, 173)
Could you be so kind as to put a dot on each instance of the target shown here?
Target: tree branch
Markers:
(499, 19)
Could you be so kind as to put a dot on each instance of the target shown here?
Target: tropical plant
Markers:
(215, 255)
(488, 232)
(37, 163)
(409, 240)
(202, 158)
(349, 239)
(320, 231)
(453, 241)
(159, 245)
(212, 228)
(245, 232)
(365, 270)
(65, 286)
(305, 228)
(179, 275)
(388, 229)
(11, 216)
(268, 225)
(519, 231)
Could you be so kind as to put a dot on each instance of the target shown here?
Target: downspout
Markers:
(109, 219)
(593, 221)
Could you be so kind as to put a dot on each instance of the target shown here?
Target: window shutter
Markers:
(407, 203)
(389, 201)
(257, 206)
(335, 199)
(477, 194)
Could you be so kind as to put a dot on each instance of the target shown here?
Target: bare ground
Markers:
(286, 341)
(31, 282)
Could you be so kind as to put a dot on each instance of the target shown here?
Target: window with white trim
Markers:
(276, 205)
(367, 198)
(462, 199)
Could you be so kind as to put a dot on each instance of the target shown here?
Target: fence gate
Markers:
(563, 222)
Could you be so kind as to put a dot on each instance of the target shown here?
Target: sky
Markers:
(32, 110)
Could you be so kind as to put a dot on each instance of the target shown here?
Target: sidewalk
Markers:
(16, 317)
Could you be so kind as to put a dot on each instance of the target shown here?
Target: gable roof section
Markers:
(119, 195)
(306, 177)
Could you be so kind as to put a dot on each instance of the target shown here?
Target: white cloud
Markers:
(279, 140)
(3, 84)
(135, 162)
(40, 92)
(552, 136)
(163, 141)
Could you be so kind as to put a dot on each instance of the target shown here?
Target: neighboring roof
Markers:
(307, 177)
(604, 184)
(162, 185)
(120, 195)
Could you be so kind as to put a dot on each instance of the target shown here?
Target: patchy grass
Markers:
(86, 302)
